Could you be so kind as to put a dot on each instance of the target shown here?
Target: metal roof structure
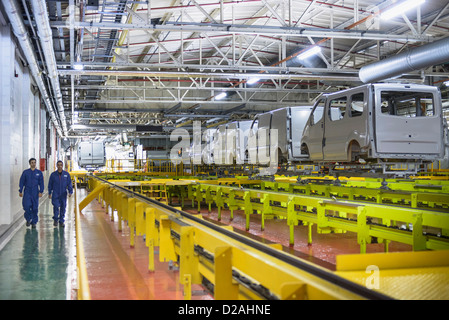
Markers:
(164, 62)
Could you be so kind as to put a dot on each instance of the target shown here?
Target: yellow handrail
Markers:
(83, 283)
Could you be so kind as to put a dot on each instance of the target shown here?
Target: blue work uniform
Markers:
(31, 183)
(58, 185)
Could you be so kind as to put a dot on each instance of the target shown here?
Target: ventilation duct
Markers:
(316, 61)
(422, 57)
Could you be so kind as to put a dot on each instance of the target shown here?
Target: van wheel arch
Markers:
(305, 149)
(280, 157)
(353, 151)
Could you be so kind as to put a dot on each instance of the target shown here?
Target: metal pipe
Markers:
(169, 74)
(13, 11)
(422, 57)
(247, 29)
(45, 36)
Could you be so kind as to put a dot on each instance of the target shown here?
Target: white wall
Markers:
(22, 128)
(6, 73)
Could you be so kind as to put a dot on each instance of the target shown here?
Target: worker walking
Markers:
(31, 187)
(58, 185)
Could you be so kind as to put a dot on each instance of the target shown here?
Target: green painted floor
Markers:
(36, 264)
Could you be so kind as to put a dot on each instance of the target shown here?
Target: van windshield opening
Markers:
(407, 104)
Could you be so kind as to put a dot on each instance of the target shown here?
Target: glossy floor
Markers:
(36, 264)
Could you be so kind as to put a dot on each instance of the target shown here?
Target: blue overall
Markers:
(57, 188)
(33, 182)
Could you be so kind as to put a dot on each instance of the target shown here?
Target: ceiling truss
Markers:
(155, 61)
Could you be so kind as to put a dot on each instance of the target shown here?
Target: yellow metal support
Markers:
(248, 209)
(188, 260)
(106, 200)
(132, 220)
(166, 245)
(292, 220)
(225, 288)
(309, 233)
(151, 255)
(294, 291)
(125, 208)
(91, 196)
(151, 231)
(140, 219)
(121, 199)
(187, 281)
(115, 203)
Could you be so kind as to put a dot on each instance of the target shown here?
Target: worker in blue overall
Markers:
(58, 185)
(31, 187)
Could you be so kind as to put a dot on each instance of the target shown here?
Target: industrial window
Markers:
(356, 106)
(407, 104)
(337, 108)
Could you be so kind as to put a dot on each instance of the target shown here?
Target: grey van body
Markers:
(227, 143)
(289, 123)
(207, 150)
(376, 121)
(237, 141)
(91, 154)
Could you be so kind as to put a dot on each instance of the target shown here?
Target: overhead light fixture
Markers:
(252, 80)
(401, 8)
(446, 83)
(221, 96)
(78, 66)
(181, 119)
(312, 51)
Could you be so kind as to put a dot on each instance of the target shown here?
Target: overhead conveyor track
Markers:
(234, 266)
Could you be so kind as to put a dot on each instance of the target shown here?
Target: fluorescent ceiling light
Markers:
(221, 96)
(78, 66)
(401, 8)
(252, 80)
(314, 50)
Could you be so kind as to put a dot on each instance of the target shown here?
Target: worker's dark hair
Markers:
(59, 162)
(31, 159)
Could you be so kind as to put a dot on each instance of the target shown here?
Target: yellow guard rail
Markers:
(83, 283)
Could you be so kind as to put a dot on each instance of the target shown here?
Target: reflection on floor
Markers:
(36, 263)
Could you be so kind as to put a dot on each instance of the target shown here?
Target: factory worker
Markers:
(58, 185)
(31, 187)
